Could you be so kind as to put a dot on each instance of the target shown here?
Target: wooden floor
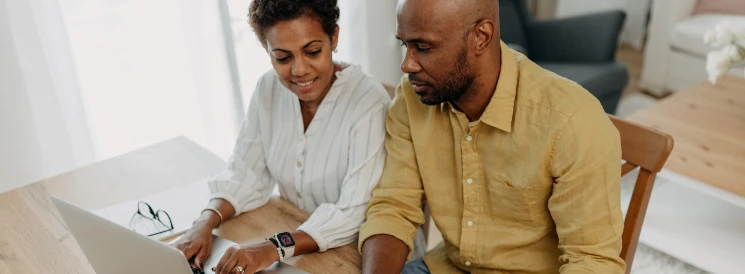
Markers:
(634, 60)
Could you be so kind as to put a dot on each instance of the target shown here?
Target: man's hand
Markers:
(383, 254)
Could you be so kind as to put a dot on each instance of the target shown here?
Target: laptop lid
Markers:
(111, 248)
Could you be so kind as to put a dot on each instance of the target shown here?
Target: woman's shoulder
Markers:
(362, 85)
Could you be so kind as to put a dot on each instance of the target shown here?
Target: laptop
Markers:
(113, 249)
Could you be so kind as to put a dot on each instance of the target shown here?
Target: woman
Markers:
(314, 128)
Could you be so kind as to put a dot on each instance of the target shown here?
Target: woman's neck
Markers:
(308, 108)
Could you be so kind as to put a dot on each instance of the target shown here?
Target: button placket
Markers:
(469, 160)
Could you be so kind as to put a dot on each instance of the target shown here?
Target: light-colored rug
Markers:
(633, 103)
(649, 260)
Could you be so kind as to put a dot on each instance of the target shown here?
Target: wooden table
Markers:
(708, 125)
(697, 209)
(34, 238)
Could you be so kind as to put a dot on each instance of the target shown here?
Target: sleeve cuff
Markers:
(313, 233)
(379, 227)
(331, 227)
(230, 199)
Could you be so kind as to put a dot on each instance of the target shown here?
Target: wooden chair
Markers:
(647, 149)
(642, 147)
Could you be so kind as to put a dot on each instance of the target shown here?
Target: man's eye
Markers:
(422, 50)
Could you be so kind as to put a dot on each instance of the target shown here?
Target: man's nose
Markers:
(410, 63)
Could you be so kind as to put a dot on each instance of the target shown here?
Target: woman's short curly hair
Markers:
(264, 14)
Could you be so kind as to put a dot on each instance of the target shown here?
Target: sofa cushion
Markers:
(606, 81)
(688, 34)
(720, 6)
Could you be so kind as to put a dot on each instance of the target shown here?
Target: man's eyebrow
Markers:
(415, 40)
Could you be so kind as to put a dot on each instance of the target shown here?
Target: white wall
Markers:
(566, 8)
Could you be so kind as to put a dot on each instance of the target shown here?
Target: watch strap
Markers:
(280, 250)
(288, 250)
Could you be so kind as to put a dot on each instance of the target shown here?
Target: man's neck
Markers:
(473, 103)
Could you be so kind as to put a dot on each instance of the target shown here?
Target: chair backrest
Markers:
(513, 19)
(390, 89)
(647, 149)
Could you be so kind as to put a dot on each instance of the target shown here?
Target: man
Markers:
(520, 167)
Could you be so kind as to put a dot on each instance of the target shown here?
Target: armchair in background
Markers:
(580, 48)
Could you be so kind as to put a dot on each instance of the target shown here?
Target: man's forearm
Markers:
(383, 254)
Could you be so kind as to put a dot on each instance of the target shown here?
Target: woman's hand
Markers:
(196, 243)
(252, 257)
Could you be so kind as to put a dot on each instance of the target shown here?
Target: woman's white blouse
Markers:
(328, 171)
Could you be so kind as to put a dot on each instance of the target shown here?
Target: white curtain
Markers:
(43, 130)
(152, 70)
(86, 80)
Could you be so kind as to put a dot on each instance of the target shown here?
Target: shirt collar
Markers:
(501, 108)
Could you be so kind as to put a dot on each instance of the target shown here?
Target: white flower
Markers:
(739, 37)
(720, 35)
(719, 62)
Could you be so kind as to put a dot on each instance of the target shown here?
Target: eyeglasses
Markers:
(155, 220)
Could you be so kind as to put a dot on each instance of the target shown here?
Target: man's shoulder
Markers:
(545, 89)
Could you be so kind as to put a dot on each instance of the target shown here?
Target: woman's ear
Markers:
(335, 38)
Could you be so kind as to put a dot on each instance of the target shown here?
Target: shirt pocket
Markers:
(519, 205)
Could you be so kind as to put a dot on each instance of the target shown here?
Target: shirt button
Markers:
(468, 263)
(299, 164)
(470, 223)
(469, 181)
(469, 138)
(299, 196)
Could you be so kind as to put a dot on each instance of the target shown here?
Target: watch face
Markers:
(285, 239)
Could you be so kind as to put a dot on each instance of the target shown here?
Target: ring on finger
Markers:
(239, 269)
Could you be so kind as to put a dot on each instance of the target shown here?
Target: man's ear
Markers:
(485, 31)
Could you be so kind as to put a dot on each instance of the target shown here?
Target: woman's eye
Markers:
(282, 60)
(315, 53)
(403, 44)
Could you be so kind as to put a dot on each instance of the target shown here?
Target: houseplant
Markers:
(730, 53)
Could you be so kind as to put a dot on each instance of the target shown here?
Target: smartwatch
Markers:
(286, 242)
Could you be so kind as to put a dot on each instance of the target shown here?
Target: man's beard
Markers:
(457, 82)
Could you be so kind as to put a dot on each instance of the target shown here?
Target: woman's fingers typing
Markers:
(218, 268)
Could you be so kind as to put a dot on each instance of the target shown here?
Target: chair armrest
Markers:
(585, 39)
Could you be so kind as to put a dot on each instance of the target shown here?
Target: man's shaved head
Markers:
(447, 40)
(450, 12)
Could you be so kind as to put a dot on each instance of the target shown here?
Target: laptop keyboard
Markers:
(195, 270)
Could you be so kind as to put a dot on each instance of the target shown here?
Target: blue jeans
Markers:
(415, 267)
